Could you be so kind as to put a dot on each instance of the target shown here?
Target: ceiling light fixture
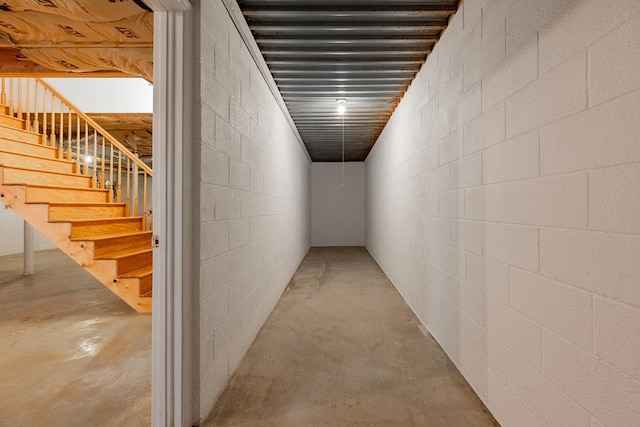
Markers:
(342, 108)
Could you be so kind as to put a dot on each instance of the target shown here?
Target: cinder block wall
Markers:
(337, 204)
(254, 200)
(503, 200)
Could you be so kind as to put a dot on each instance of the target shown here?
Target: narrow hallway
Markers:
(342, 348)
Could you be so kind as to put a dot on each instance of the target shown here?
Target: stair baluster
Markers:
(20, 99)
(127, 189)
(94, 179)
(11, 104)
(111, 194)
(27, 118)
(44, 117)
(119, 182)
(36, 108)
(52, 136)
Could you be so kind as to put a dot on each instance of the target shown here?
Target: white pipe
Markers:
(28, 249)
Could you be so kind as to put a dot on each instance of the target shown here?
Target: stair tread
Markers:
(21, 130)
(90, 205)
(111, 236)
(142, 272)
(115, 219)
(34, 156)
(59, 187)
(6, 114)
(124, 253)
(40, 170)
(12, 117)
(35, 144)
(62, 187)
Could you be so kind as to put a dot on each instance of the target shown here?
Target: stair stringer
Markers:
(81, 251)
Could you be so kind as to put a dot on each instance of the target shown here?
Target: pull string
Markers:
(343, 114)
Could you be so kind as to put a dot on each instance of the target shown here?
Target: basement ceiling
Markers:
(134, 130)
(48, 37)
(106, 38)
(366, 52)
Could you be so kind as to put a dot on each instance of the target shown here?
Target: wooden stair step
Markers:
(106, 244)
(81, 228)
(141, 272)
(99, 237)
(30, 161)
(12, 121)
(20, 134)
(72, 211)
(145, 277)
(125, 253)
(129, 261)
(29, 148)
(25, 175)
(57, 194)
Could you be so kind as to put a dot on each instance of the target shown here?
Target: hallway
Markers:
(342, 348)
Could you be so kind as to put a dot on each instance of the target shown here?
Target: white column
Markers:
(28, 249)
(173, 398)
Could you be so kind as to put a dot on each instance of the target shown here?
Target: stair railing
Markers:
(78, 138)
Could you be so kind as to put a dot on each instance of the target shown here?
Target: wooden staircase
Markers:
(67, 195)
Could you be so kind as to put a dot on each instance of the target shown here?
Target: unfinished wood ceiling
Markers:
(132, 129)
(83, 38)
(76, 36)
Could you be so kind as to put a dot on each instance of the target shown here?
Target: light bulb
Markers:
(88, 159)
(342, 109)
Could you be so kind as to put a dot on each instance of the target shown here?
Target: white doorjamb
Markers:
(172, 382)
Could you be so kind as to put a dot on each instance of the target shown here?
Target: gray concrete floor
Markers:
(71, 353)
(342, 348)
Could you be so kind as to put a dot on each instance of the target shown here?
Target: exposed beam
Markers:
(13, 64)
(79, 45)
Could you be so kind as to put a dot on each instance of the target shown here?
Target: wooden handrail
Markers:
(98, 128)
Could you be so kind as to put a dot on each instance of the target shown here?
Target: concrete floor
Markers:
(71, 353)
(343, 349)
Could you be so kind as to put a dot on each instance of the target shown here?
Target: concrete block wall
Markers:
(503, 200)
(337, 204)
(254, 201)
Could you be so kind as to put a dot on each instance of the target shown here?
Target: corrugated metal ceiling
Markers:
(366, 52)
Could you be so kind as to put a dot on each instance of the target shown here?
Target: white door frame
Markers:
(172, 402)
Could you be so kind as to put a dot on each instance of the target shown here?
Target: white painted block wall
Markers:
(254, 201)
(503, 200)
(337, 204)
